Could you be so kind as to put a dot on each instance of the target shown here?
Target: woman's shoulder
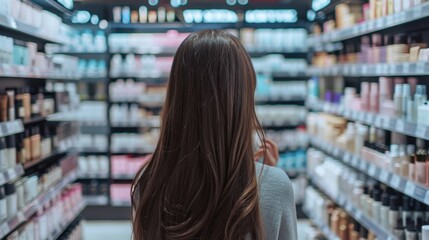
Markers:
(274, 183)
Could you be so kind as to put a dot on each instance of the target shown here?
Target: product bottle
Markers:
(411, 161)
(406, 96)
(46, 145)
(354, 231)
(3, 205)
(161, 14)
(411, 231)
(35, 143)
(363, 235)
(4, 162)
(421, 166)
(27, 145)
(404, 162)
(364, 94)
(11, 104)
(143, 14)
(395, 161)
(406, 210)
(399, 229)
(393, 212)
(419, 99)
(376, 205)
(11, 200)
(126, 15)
(35, 108)
(171, 16)
(397, 100)
(384, 210)
(418, 212)
(11, 150)
(3, 107)
(20, 150)
(425, 232)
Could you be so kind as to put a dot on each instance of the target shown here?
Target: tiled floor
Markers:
(121, 230)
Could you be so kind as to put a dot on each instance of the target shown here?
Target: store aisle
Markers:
(120, 230)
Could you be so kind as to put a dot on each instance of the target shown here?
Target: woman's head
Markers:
(201, 181)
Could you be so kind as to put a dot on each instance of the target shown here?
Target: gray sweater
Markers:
(277, 203)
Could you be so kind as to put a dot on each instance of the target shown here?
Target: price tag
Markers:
(400, 126)
(347, 157)
(11, 173)
(369, 118)
(371, 25)
(380, 23)
(395, 181)
(417, 12)
(336, 152)
(386, 123)
(402, 16)
(5, 228)
(355, 161)
(362, 165)
(358, 215)
(421, 131)
(361, 116)
(20, 216)
(378, 121)
(406, 67)
(372, 170)
(409, 188)
(427, 198)
(384, 175)
(420, 67)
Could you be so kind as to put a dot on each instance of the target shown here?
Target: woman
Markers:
(202, 181)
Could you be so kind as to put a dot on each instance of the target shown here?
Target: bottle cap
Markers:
(399, 224)
(376, 195)
(411, 227)
(9, 188)
(411, 149)
(406, 206)
(394, 203)
(385, 198)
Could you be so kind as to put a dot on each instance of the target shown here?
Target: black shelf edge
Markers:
(380, 121)
(55, 155)
(282, 102)
(355, 212)
(107, 212)
(132, 152)
(34, 120)
(30, 209)
(401, 184)
(407, 16)
(93, 176)
(286, 126)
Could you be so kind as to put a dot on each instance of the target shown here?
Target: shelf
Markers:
(372, 119)
(13, 28)
(403, 17)
(121, 203)
(373, 70)
(52, 156)
(11, 127)
(11, 174)
(90, 55)
(281, 102)
(325, 229)
(76, 213)
(132, 151)
(92, 151)
(96, 200)
(123, 177)
(93, 80)
(407, 187)
(94, 129)
(153, 79)
(38, 203)
(159, 52)
(34, 120)
(54, 7)
(286, 126)
(286, 74)
(93, 176)
(355, 212)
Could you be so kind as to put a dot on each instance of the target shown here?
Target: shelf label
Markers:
(384, 175)
(347, 157)
(5, 228)
(358, 215)
(372, 170)
(355, 161)
(409, 188)
(400, 126)
(11, 173)
(336, 152)
(395, 181)
(362, 165)
(369, 118)
(421, 131)
(427, 198)
(378, 121)
(21, 217)
(386, 123)
(420, 67)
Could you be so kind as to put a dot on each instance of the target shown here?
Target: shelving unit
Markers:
(355, 212)
(407, 16)
(325, 229)
(31, 208)
(381, 121)
(395, 181)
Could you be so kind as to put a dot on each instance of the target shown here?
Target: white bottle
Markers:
(406, 95)
(395, 161)
(397, 100)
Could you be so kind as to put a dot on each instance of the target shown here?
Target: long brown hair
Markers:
(201, 181)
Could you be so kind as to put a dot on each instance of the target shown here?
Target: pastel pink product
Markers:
(365, 100)
(373, 98)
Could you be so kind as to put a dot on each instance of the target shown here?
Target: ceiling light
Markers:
(243, 2)
(175, 3)
(231, 2)
(153, 2)
(103, 24)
